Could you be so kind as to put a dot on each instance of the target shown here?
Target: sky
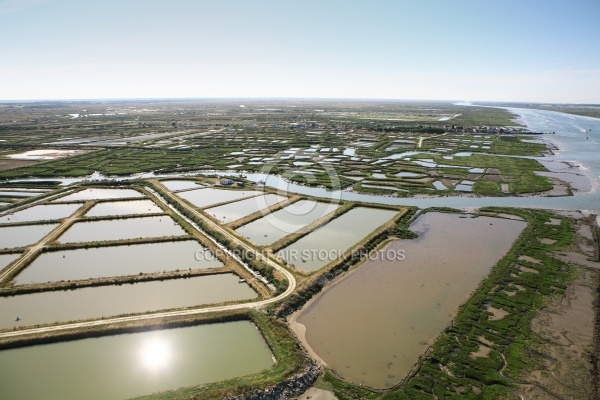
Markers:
(474, 50)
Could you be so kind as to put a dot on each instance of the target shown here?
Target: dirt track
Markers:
(106, 321)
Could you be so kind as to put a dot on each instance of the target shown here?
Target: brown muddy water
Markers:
(233, 211)
(105, 301)
(325, 244)
(371, 326)
(207, 197)
(122, 229)
(40, 213)
(100, 262)
(124, 208)
(19, 236)
(131, 365)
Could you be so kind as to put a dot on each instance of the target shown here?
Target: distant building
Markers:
(226, 182)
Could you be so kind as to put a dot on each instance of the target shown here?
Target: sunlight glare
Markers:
(156, 354)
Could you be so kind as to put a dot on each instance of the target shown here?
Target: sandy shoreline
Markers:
(300, 332)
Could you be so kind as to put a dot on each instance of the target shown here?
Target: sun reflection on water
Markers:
(156, 354)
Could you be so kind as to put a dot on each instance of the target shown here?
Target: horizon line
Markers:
(291, 98)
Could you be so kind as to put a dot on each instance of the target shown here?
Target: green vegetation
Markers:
(448, 370)
(119, 162)
(488, 188)
(301, 145)
(514, 146)
(519, 173)
(308, 147)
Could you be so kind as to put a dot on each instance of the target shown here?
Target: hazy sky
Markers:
(504, 50)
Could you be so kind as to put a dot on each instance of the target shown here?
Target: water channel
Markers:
(578, 141)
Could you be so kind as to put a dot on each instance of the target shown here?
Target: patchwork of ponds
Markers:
(100, 262)
(415, 287)
(289, 219)
(19, 236)
(122, 229)
(233, 211)
(124, 208)
(131, 365)
(40, 213)
(209, 196)
(101, 194)
(325, 244)
(105, 301)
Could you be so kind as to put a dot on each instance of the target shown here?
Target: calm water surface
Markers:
(6, 259)
(124, 208)
(40, 213)
(100, 194)
(233, 211)
(181, 185)
(324, 244)
(18, 236)
(129, 365)
(121, 229)
(206, 197)
(371, 326)
(11, 193)
(116, 261)
(94, 302)
(289, 219)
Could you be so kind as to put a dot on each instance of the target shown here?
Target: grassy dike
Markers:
(447, 369)
(249, 258)
(318, 281)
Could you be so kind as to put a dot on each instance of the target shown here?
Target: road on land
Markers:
(176, 313)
